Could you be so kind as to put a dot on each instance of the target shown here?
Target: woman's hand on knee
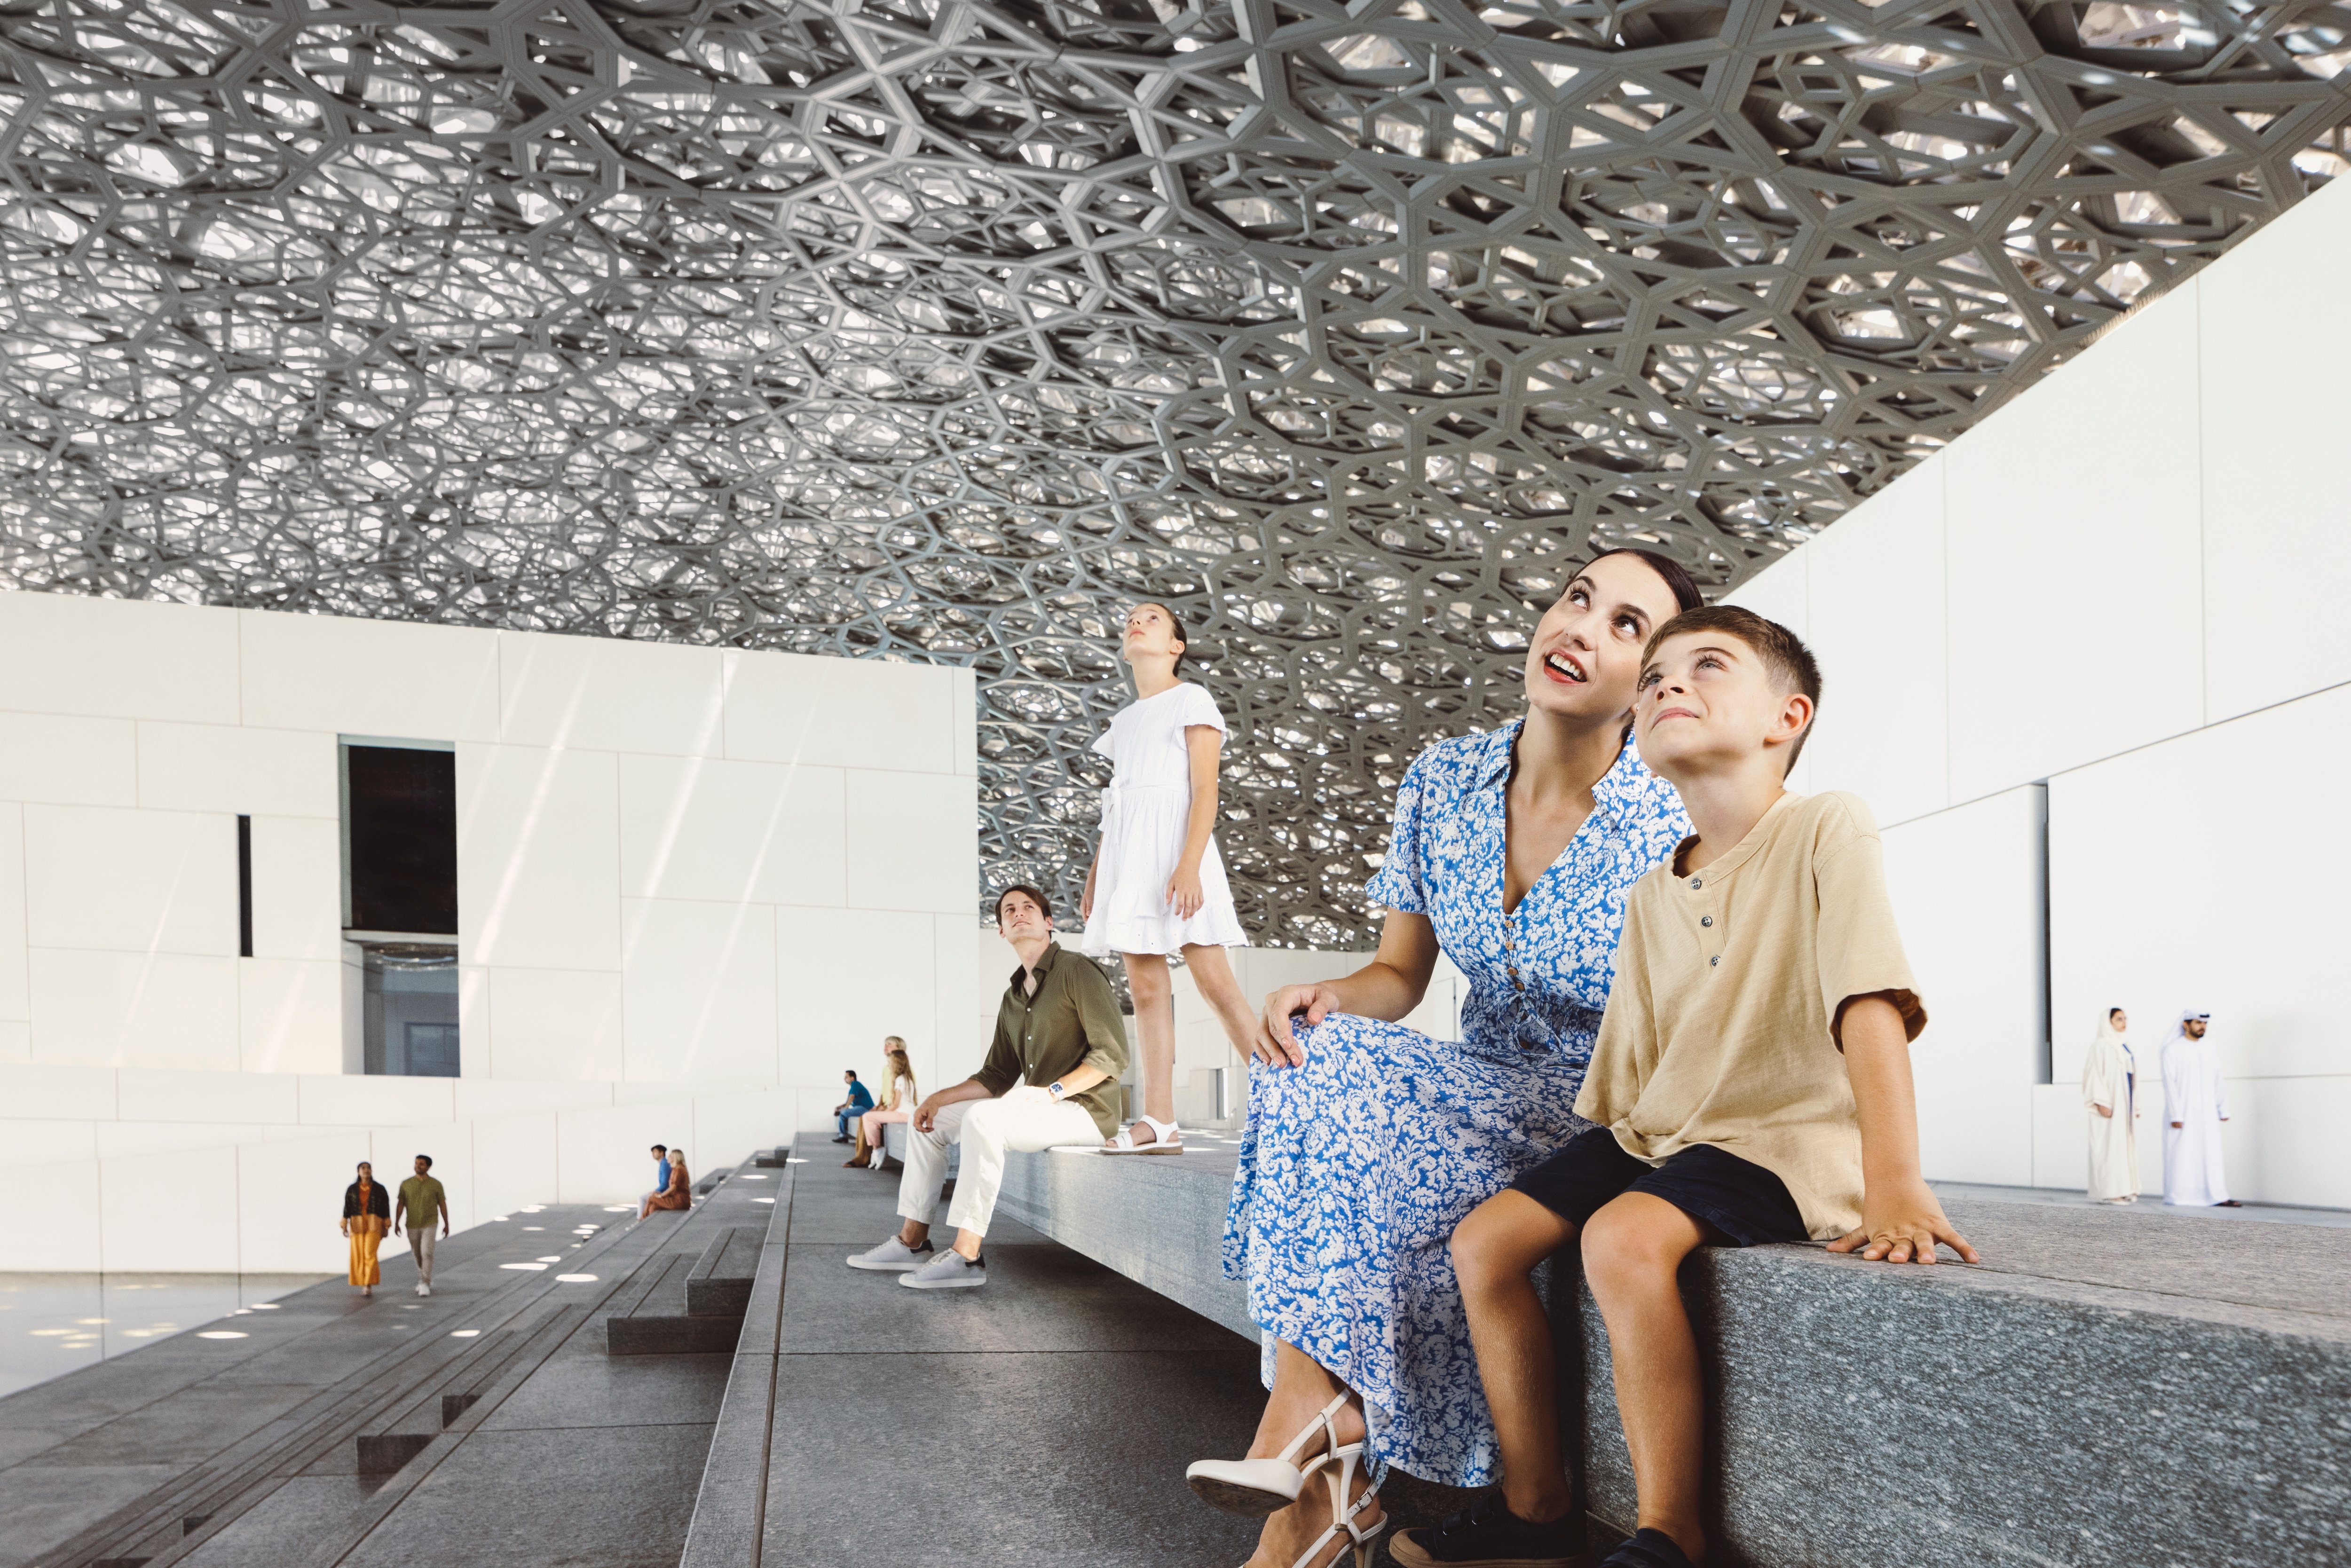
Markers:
(1277, 1044)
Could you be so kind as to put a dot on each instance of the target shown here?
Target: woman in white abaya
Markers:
(2110, 1092)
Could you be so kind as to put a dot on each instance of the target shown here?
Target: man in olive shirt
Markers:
(420, 1197)
(1050, 1077)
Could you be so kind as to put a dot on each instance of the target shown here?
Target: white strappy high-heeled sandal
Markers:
(1343, 1513)
(1168, 1138)
(1256, 1488)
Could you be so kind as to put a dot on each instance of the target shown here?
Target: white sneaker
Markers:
(423, 1286)
(950, 1270)
(892, 1256)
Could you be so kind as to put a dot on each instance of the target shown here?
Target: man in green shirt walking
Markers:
(1050, 1077)
(420, 1197)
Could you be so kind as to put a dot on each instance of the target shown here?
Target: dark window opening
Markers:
(245, 887)
(399, 835)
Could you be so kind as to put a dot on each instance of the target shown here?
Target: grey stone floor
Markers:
(51, 1325)
(587, 1463)
(2071, 1197)
(1044, 1419)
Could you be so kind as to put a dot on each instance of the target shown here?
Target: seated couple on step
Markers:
(1688, 1025)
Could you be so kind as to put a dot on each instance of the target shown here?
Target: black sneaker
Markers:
(1648, 1548)
(1488, 1535)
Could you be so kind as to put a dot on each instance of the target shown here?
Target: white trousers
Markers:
(420, 1247)
(986, 1129)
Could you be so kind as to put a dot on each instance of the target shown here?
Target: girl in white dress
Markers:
(1157, 884)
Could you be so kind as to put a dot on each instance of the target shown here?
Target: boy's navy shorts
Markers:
(1744, 1201)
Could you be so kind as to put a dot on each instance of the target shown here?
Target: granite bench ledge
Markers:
(2111, 1389)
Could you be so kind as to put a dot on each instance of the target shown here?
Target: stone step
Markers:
(2111, 1388)
(720, 1284)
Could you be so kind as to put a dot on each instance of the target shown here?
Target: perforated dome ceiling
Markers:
(941, 331)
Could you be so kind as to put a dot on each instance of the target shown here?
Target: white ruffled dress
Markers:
(1145, 813)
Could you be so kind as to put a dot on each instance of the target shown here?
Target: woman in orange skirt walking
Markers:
(367, 1215)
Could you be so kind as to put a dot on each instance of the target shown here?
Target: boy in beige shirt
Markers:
(1751, 1084)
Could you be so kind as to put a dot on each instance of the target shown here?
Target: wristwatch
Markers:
(1055, 1090)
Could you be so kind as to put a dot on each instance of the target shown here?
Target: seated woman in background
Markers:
(679, 1194)
(1367, 1142)
(897, 1106)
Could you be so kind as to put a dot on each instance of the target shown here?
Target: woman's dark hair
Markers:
(1176, 624)
(1676, 577)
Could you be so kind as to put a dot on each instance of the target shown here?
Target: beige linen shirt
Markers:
(1731, 985)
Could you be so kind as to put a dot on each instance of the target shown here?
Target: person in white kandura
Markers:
(1157, 884)
(2195, 1103)
(2110, 1091)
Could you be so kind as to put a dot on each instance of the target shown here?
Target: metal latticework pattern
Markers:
(939, 331)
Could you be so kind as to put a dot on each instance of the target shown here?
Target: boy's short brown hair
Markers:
(1782, 652)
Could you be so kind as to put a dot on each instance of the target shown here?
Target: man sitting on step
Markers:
(1050, 1077)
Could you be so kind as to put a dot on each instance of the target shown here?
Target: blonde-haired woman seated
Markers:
(871, 1150)
(678, 1194)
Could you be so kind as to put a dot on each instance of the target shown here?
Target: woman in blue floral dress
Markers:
(1368, 1142)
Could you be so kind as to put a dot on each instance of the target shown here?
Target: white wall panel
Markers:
(343, 1100)
(390, 679)
(1875, 603)
(58, 1235)
(608, 693)
(244, 772)
(484, 1099)
(963, 1035)
(134, 1009)
(715, 831)
(16, 986)
(847, 977)
(477, 1045)
(1783, 592)
(61, 653)
(700, 986)
(59, 1091)
(290, 1015)
(15, 1041)
(1966, 887)
(537, 871)
(151, 1223)
(289, 1196)
(913, 840)
(233, 1097)
(117, 1139)
(2073, 531)
(78, 761)
(297, 888)
(854, 713)
(26, 1142)
(2284, 1140)
(731, 1127)
(2203, 872)
(2277, 513)
(515, 1164)
(965, 721)
(556, 1024)
(134, 881)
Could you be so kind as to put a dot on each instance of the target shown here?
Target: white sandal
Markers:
(1342, 1513)
(1168, 1138)
(1256, 1488)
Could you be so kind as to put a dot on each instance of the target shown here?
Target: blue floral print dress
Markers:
(1356, 1167)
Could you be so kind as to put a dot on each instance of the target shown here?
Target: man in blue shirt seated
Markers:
(860, 1100)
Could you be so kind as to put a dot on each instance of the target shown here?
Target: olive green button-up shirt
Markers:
(1071, 1021)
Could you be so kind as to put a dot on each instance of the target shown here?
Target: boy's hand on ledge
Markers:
(1902, 1225)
